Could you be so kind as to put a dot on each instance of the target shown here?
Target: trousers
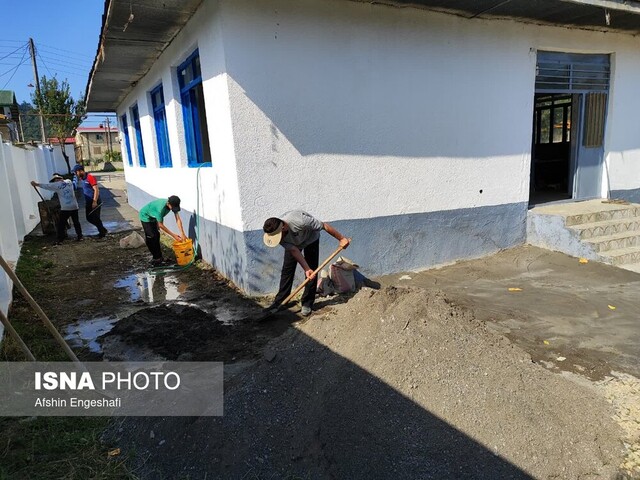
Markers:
(311, 255)
(93, 214)
(152, 239)
(62, 224)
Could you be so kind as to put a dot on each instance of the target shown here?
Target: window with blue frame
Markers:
(127, 140)
(135, 116)
(193, 111)
(160, 121)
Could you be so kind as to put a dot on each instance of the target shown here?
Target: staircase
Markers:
(605, 232)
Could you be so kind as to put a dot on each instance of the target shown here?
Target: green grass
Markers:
(42, 448)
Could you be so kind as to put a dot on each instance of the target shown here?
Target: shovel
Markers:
(300, 287)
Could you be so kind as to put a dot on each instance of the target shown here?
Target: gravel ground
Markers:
(398, 383)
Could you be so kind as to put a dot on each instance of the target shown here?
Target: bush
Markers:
(113, 157)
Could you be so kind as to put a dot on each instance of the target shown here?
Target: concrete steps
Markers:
(609, 233)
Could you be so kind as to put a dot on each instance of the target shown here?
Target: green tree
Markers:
(29, 120)
(63, 113)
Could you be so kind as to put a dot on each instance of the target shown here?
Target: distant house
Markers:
(9, 116)
(93, 142)
(423, 129)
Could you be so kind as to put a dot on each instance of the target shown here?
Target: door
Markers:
(590, 147)
(586, 77)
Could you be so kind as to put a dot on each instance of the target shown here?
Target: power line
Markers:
(14, 71)
(45, 65)
(65, 51)
(66, 63)
(16, 50)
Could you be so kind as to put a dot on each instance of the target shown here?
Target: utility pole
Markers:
(109, 146)
(32, 50)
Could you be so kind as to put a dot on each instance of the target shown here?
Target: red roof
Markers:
(95, 129)
(66, 140)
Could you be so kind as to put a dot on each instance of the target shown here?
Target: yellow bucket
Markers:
(183, 251)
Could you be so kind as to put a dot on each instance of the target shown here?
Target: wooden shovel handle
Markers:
(315, 272)
(38, 192)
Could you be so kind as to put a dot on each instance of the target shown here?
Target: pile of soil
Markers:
(183, 332)
(398, 383)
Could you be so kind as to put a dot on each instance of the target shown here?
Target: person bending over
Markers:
(299, 234)
(152, 219)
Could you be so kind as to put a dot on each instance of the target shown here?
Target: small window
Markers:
(160, 122)
(135, 116)
(193, 111)
(98, 137)
(127, 140)
(97, 150)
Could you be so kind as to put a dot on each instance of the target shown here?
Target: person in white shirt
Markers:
(68, 205)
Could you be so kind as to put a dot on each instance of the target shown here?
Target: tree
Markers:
(63, 114)
(29, 120)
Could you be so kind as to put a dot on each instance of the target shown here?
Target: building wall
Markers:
(221, 239)
(408, 130)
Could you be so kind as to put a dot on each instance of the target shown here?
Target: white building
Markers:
(411, 130)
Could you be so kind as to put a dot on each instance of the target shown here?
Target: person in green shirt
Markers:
(152, 219)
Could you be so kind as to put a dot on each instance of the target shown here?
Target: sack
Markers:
(325, 285)
(343, 280)
(133, 240)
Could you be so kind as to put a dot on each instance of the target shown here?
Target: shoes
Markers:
(157, 262)
(80, 237)
(306, 311)
(57, 243)
(103, 233)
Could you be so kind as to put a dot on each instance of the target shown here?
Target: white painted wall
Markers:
(219, 197)
(359, 111)
(19, 215)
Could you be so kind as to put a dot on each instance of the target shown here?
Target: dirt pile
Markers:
(398, 383)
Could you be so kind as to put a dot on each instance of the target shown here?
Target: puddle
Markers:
(117, 226)
(151, 287)
(84, 333)
(223, 314)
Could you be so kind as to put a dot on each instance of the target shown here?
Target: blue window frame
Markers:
(127, 140)
(136, 126)
(193, 111)
(160, 121)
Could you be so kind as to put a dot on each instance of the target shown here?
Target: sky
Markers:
(65, 34)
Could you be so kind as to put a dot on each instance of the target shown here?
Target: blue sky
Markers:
(65, 33)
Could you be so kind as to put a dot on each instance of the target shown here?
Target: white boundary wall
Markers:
(19, 213)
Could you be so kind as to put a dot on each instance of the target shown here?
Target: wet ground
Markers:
(412, 375)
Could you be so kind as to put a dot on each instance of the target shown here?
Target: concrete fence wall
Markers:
(19, 212)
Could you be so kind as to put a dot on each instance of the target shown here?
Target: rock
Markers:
(269, 355)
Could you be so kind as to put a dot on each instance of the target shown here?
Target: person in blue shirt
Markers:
(92, 203)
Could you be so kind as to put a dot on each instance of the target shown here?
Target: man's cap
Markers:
(272, 232)
(56, 176)
(77, 167)
(174, 201)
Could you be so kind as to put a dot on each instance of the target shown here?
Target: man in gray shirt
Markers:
(68, 205)
(298, 232)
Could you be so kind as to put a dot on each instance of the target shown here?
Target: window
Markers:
(136, 127)
(160, 121)
(97, 150)
(98, 137)
(193, 111)
(127, 140)
(552, 119)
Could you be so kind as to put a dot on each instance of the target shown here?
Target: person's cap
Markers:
(174, 201)
(56, 176)
(272, 232)
(77, 168)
